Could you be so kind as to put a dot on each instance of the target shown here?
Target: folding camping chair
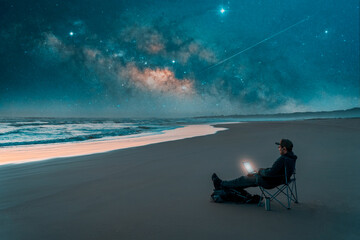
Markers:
(288, 189)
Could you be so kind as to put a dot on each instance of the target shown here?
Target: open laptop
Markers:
(248, 167)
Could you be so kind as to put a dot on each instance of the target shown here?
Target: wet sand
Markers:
(31, 153)
(162, 191)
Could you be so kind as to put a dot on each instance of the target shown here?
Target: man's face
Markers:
(282, 150)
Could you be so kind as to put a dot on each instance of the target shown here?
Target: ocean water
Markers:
(30, 131)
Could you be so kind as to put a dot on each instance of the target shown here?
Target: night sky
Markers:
(161, 58)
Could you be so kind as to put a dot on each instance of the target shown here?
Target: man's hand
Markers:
(251, 174)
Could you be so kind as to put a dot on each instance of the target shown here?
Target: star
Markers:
(222, 10)
(173, 61)
(71, 33)
(326, 31)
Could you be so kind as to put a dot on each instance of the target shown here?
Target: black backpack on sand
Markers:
(232, 195)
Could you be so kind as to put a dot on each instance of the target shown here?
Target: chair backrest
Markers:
(291, 169)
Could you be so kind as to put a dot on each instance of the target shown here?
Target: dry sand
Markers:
(162, 191)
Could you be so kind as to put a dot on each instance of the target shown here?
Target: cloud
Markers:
(56, 46)
(167, 44)
(126, 76)
(157, 80)
(112, 71)
(195, 49)
(146, 38)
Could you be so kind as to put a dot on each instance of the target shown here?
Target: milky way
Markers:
(161, 58)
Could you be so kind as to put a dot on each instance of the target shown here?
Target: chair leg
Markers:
(267, 204)
(268, 197)
(261, 198)
(296, 195)
(288, 197)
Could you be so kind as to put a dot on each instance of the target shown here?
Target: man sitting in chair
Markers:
(267, 178)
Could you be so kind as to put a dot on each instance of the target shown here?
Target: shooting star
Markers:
(258, 43)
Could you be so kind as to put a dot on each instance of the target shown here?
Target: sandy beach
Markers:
(162, 191)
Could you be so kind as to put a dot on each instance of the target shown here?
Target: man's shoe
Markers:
(256, 199)
(216, 181)
(217, 198)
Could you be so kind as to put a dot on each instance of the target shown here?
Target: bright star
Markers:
(326, 31)
(173, 61)
(71, 33)
(222, 10)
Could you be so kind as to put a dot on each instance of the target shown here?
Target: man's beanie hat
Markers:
(285, 143)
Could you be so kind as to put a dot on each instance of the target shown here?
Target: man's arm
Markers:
(275, 170)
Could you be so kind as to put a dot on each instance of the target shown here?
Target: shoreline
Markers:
(41, 152)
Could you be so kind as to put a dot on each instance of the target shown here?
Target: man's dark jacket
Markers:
(274, 176)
